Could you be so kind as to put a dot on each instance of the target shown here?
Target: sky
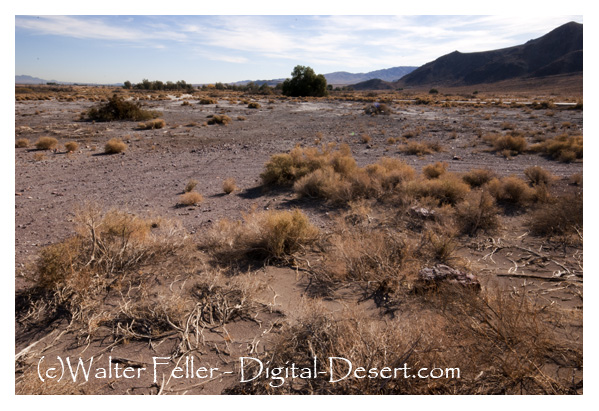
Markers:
(227, 48)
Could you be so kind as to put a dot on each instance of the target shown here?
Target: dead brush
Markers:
(477, 212)
(564, 148)
(559, 217)
(190, 199)
(115, 146)
(229, 185)
(511, 190)
(446, 189)
(152, 124)
(539, 176)
(46, 143)
(276, 235)
(478, 177)
(434, 170)
(420, 149)
(221, 119)
(22, 143)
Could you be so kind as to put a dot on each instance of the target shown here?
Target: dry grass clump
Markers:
(152, 124)
(539, 176)
(205, 101)
(221, 119)
(477, 212)
(262, 236)
(421, 149)
(191, 198)
(71, 146)
(115, 146)
(511, 190)
(46, 143)
(191, 184)
(229, 185)
(285, 169)
(22, 143)
(434, 170)
(563, 148)
(446, 189)
(509, 144)
(478, 177)
(118, 109)
(254, 104)
(560, 216)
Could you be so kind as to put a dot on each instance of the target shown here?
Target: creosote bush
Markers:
(118, 109)
(115, 146)
(46, 143)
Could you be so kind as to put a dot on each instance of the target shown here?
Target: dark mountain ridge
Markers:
(556, 53)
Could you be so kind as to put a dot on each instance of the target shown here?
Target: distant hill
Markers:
(374, 84)
(557, 53)
(389, 74)
(23, 79)
(343, 78)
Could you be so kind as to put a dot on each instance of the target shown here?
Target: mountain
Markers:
(389, 74)
(558, 52)
(23, 79)
(374, 84)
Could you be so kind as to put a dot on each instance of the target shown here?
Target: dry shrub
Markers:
(71, 146)
(229, 185)
(434, 170)
(365, 139)
(191, 198)
(438, 244)
(152, 124)
(115, 146)
(22, 143)
(46, 143)
(447, 189)
(221, 119)
(539, 176)
(191, 184)
(285, 169)
(377, 108)
(576, 179)
(118, 109)
(39, 156)
(421, 149)
(560, 216)
(477, 213)
(509, 144)
(254, 104)
(205, 101)
(478, 177)
(69, 274)
(262, 236)
(512, 190)
(563, 148)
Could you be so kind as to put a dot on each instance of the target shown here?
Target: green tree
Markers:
(305, 82)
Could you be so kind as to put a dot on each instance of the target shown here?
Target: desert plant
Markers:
(421, 149)
(377, 108)
(254, 104)
(115, 146)
(512, 190)
(191, 184)
(447, 189)
(229, 185)
(539, 176)
(434, 170)
(118, 109)
(152, 124)
(22, 143)
(206, 101)
(46, 143)
(478, 177)
(563, 148)
(477, 213)
(191, 198)
(562, 215)
(220, 119)
(71, 146)
(304, 82)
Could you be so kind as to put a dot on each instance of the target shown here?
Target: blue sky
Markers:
(227, 48)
